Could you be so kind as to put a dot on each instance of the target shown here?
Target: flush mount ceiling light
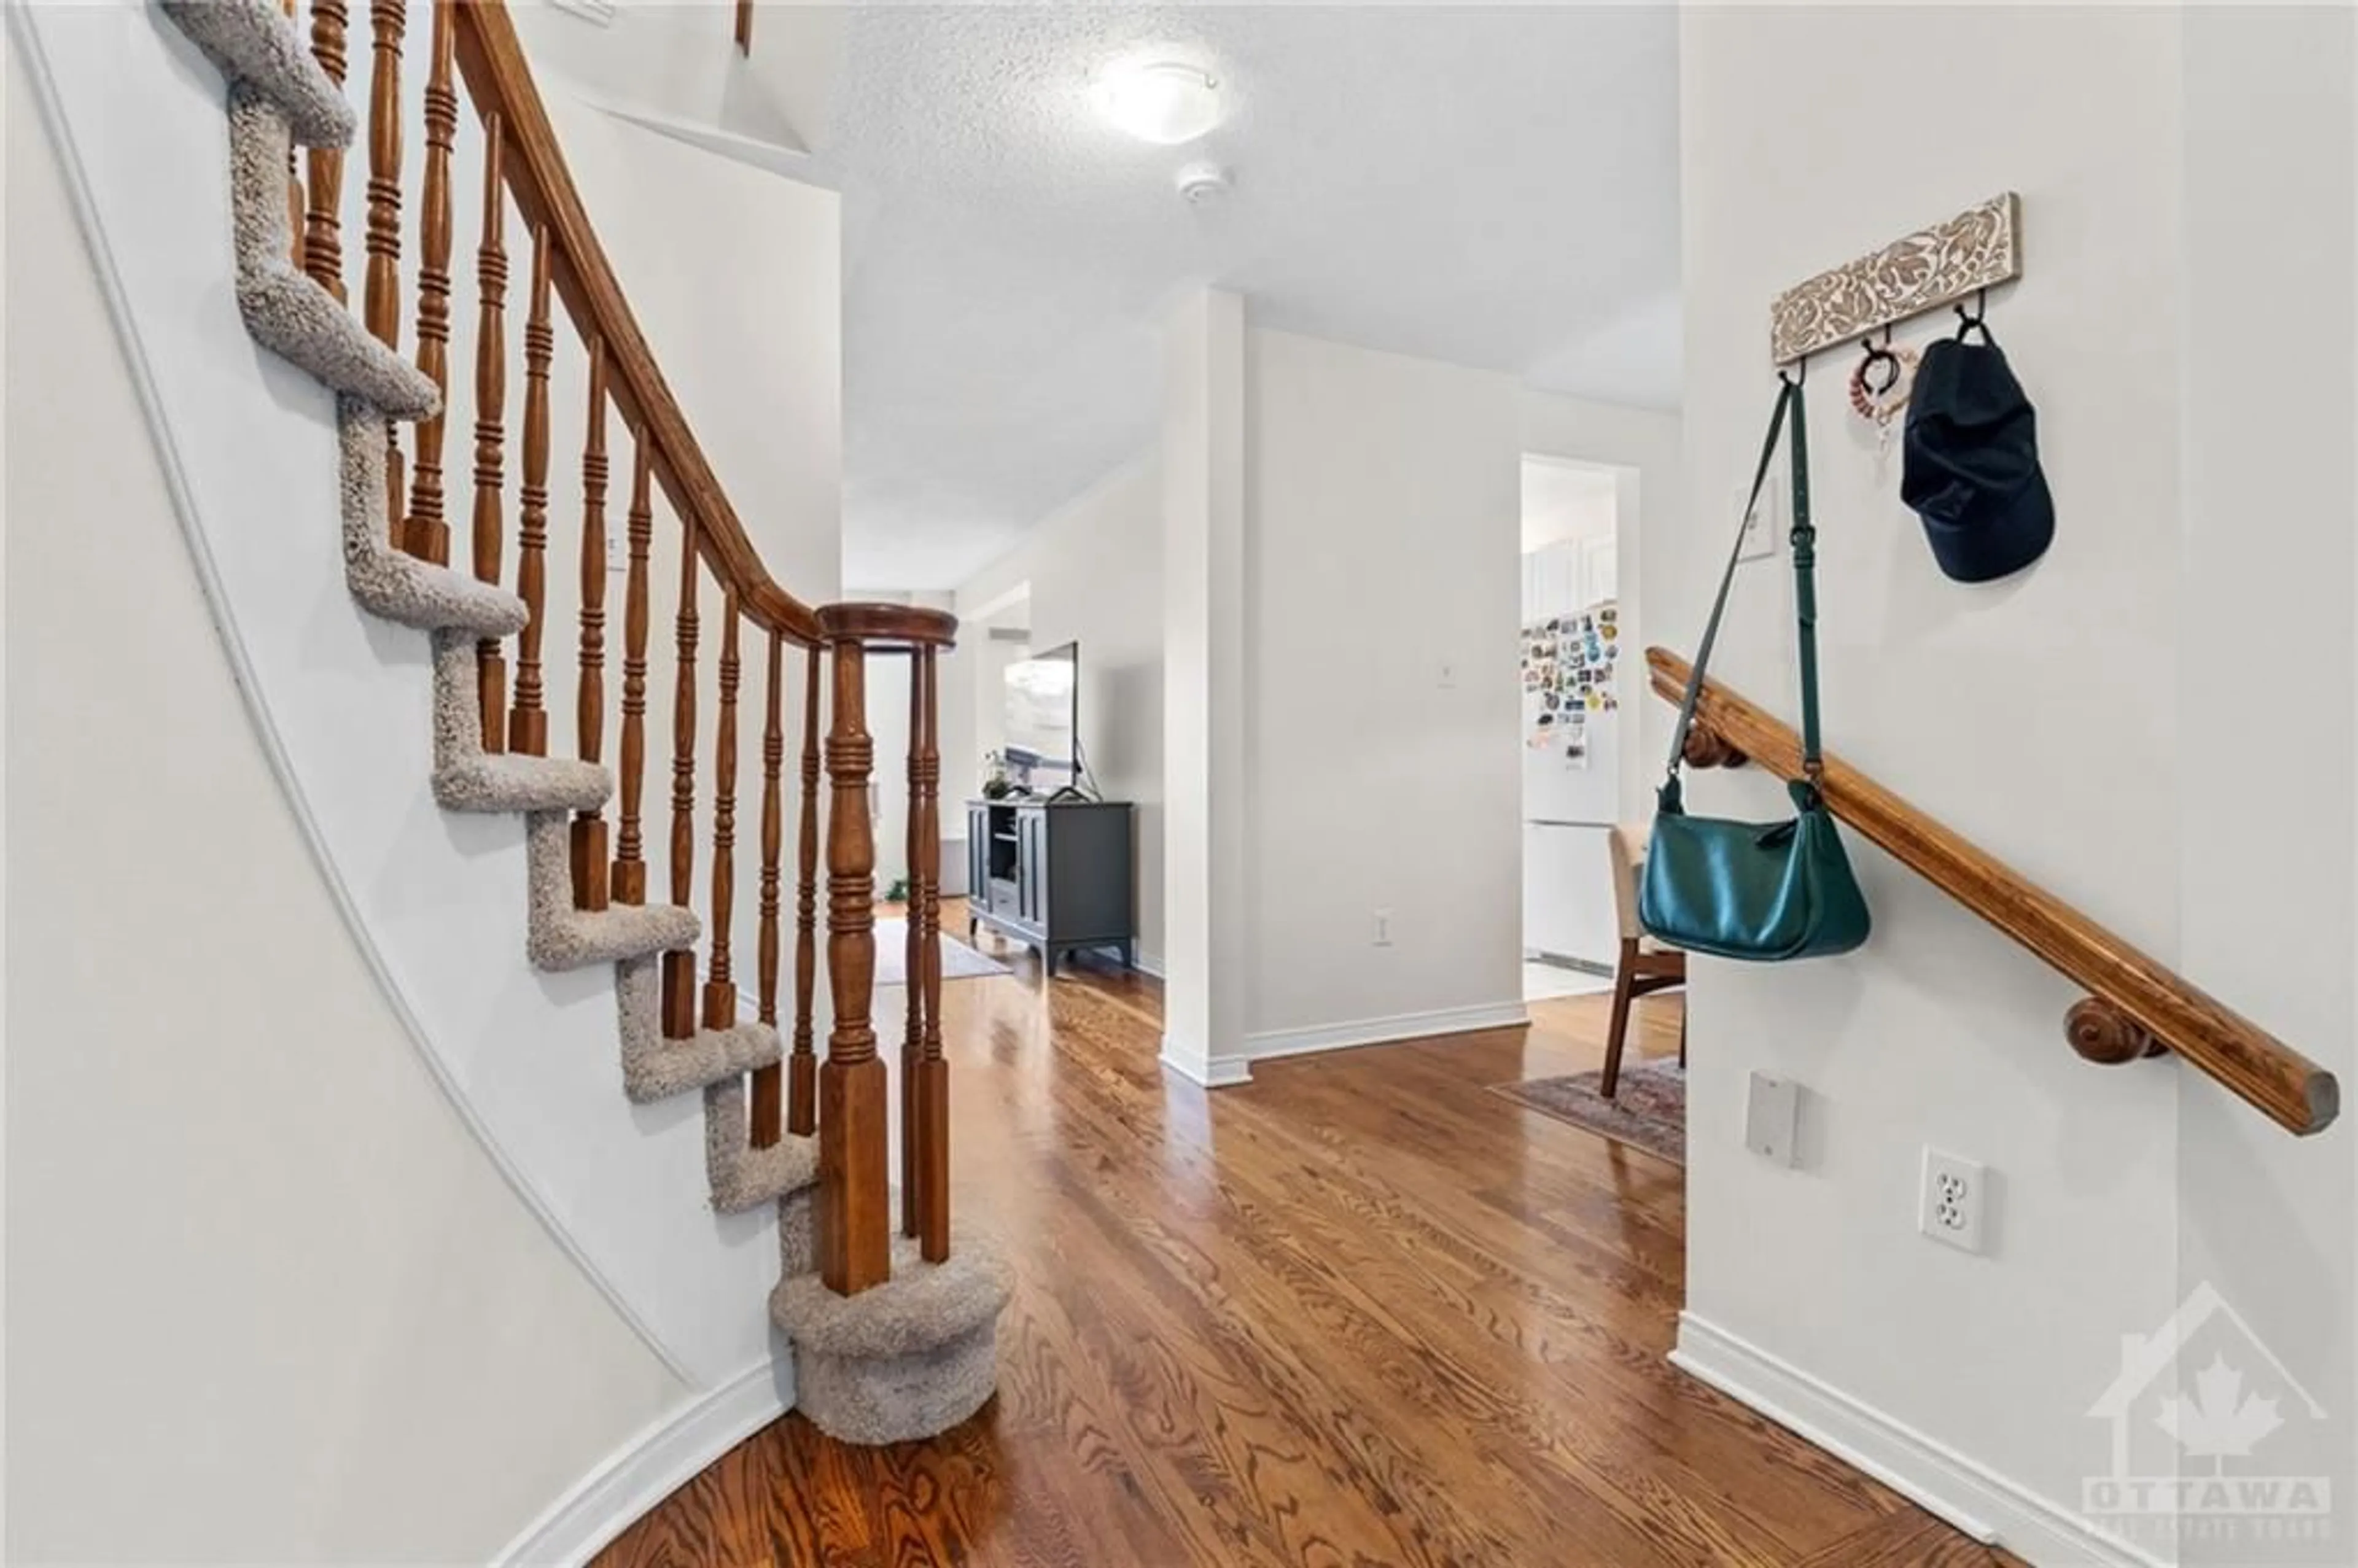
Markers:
(1166, 102)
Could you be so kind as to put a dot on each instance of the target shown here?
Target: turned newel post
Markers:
(854, 1218)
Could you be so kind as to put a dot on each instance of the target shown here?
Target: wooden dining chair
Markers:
(1646, 965)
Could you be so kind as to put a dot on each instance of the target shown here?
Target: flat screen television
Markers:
(1043, 695)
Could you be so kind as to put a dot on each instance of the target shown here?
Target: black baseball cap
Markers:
(1971, 463)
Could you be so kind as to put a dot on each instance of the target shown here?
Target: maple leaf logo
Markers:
(2221, 1420)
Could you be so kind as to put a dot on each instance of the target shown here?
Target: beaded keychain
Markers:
(1879, 406)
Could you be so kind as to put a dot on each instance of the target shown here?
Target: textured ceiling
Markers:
(1491, 186)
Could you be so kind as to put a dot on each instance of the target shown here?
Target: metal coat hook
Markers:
(1974, 320)
(1880, 358)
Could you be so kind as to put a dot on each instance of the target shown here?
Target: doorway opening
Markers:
(1572, 731)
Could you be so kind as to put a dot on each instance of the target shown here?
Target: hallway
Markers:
(1361, 1311)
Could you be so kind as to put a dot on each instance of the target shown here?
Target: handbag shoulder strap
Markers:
(1805, 596)
(1788, 405)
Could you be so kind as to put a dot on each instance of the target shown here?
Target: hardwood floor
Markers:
(1359, 1312)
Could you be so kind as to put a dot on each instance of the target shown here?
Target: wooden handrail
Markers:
(491, 61)
(2136, 1004)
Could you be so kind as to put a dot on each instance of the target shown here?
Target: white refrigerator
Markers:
(1570, 752)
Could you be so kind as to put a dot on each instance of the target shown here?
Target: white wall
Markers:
(255, 1258)
(1207, 632)
(1090, 572)
(1382, 561)
(2081, 720)
(747, 325)
(2265, 812)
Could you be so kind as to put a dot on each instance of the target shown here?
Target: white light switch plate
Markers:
(1772, 1118)
(1761, 523)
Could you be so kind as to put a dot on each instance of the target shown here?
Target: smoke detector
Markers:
(1201, 182)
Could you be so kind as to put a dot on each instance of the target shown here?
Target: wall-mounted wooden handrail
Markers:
(491, 60)
(2134, 1004)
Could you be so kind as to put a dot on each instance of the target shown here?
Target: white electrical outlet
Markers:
(1383, 937)
(1955, 1200)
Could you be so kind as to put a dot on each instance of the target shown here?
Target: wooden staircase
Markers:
(892, 1341)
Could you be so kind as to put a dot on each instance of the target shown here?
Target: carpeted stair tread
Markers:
(742, 1176)
(752, 1177)
(468, 778)
(392, 583)
(560, 937)
(710, 1056)
(655, 1067)
(922, 1307)
(285, 311)
(256, 43)
(610, 936)
(491, 782)
(797, 1239)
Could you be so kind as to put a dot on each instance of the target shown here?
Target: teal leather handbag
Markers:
(1761, 891)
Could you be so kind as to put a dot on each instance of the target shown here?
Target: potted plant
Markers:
(996, 785)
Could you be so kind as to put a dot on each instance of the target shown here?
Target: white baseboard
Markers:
(1206, 1072)
(651, 1466)
(1275, 1042)
(1983, 1504)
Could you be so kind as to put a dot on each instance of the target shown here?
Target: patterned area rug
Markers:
(1648, 1111)
(960, 962)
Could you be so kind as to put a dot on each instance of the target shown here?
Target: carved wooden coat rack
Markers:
(1977, 249)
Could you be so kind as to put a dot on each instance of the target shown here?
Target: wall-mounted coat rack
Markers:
(1978, 248)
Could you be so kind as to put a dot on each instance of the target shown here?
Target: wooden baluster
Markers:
(802, 1081)
(933, 1071)
(588, 841)
(425, 534)
(854, 1218)
(719, 984)
(381, 298)
(913, 1008)
(491, 400)
(528, 723)
(323, 252)
(679, 966)
(294, 191)
(768, 1101)
(629, 879)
